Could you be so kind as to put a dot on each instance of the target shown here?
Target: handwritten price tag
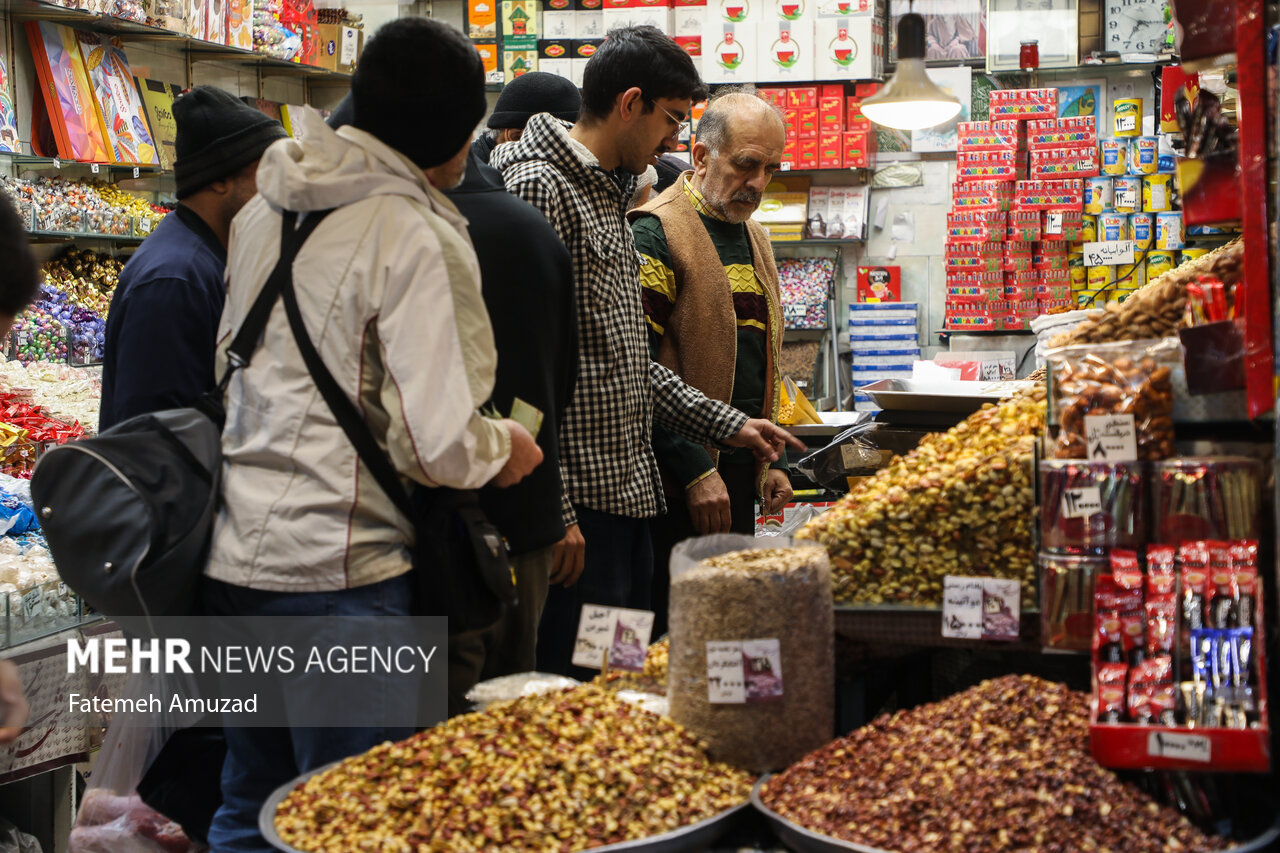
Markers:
(1112, 438)
(618, 632)
(1081, 503)
(95, 168)
(1126, 199)
(726, 684)
(1125, 124)
(31, 602)
(1182, 746)
(136, 172)
(981, 608)
(742, 671)
(1108, 253)
(1053, 223)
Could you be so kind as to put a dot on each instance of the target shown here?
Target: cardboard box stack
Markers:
(1017, 211)
(885, 342)
(570, 31)
(825, 125)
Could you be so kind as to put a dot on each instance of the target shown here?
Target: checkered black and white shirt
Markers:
(605, 451)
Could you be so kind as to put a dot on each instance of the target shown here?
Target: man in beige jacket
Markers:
(388, 288)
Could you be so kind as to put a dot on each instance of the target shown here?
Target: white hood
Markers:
(334, 168)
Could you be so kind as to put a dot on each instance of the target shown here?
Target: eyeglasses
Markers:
(681, 124)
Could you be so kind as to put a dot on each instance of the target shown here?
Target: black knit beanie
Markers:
(419, 88)
(533, 93)
(218, 135)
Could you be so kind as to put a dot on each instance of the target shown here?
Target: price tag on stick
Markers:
(617, 636)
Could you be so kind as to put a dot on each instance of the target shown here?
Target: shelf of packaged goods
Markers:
(105, 171)
(71, 236)
(200, 50)
(857, 172)
(811, 242)
(904, 625)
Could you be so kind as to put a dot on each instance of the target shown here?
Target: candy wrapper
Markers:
(1150, 692)
(1215, 497)
(1089, 507)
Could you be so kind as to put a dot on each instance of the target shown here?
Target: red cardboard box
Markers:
(692, 44)
(879, 284)
(830, 151)
(791, 118)
(803, 97)
(852, 111)
(808, 154)
(777, 97)
(791, 153)
(809, 124)
(831, 90)
(831, 115)
(858, 149)
(865, 90)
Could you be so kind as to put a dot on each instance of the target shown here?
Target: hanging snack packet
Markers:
(1111, 692)
(1220, 589)
(1127, 574)
(1244, 571)
(1149, 678)
(1195, 573)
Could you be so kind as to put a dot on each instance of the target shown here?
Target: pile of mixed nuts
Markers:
(1003, 766)
(961, 503)
(559, 772)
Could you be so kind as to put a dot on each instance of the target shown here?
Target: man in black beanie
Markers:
(522, 99)
(164, 314)
(388, 291)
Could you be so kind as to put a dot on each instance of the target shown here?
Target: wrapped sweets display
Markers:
(961, 503)
(567, 770)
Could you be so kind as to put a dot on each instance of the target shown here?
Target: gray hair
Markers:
(713, 127)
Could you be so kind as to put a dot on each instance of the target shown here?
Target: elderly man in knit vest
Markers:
(711, 299)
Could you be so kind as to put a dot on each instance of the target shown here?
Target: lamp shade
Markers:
(910, 100)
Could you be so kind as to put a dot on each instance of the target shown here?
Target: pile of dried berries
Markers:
(1003, 766)
(559, 772)
(961, 503)
(652, 680)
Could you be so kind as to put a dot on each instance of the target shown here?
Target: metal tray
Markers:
(963, 397)
(802, 840)
(686, 839)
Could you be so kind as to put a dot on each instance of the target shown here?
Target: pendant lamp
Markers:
(910, 100)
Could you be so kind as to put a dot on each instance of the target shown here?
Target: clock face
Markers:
(1135, 26)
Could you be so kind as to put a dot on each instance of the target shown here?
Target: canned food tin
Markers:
(1144, 155)
(1114, 157)
(1120, 294)
(1101, 277)
(1131, 276)
(1192, 254)
(1089, 229)
(1169, 231)
(1128, 194)
(1113, 226)
(1158, 263)
(1099, 195)
(1079, 272)
(1156, 193)
(1127, 113)
(1142, 227)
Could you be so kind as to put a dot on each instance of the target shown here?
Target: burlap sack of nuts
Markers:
(1156, 311)
(725, 590)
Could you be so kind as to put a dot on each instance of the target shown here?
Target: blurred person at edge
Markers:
(18, 285)
(638, 90)
(388, 287)
(163, 324)
(711, 297)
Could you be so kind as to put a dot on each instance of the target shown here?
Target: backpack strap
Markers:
(247, 337)
(344, 411)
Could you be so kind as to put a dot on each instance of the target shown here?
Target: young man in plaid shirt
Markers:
(637, 93)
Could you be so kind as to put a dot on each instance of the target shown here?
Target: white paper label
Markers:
(30, 602)
(620, 633)
(850, 456)
(1127, 123)
(981, 608)
(57, 164)
(1108, 254)
(1081, 503)
(785, 166)
(1112, 438)
(1126, 199)
(95, 168)
(350, 43)
(742, 671)
(1182, 746)
(1053, 223)
(136, 171)
(62, 590)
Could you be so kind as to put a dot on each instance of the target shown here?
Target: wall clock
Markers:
(1134, 26)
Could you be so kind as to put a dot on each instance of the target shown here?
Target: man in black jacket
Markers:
(522, 99)
(527, 279)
